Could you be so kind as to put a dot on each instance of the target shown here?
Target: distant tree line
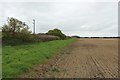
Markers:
(17, 32)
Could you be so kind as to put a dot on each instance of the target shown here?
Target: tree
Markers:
(56, 32)
(16, 32)
(14, 26)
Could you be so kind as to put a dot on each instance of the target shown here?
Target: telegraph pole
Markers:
(33, 26)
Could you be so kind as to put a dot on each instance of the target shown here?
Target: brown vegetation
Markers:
(45, 37)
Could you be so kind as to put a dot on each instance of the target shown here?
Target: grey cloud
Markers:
(84, 19)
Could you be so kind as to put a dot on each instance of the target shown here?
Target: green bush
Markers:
(17, 32)
(56, 32)
(18, 38)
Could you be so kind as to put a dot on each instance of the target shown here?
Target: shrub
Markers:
(44, 37)
(56, 32)
(17, 32)
(18, 38)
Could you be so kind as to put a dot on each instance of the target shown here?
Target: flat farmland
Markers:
(85, 58)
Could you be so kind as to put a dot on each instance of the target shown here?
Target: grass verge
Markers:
(19, 59)
(0, 61)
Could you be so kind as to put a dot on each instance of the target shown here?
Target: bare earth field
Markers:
(86, 58)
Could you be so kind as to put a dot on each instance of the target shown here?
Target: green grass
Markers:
(0, 61)
(19, 59)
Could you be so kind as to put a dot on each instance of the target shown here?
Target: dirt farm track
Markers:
(86, 58)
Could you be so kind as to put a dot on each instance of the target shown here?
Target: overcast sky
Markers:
(73, 18)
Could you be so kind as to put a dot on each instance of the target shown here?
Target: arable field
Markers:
(86, 58)
(21, 58)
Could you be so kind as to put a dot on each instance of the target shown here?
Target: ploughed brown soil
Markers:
(86, 58)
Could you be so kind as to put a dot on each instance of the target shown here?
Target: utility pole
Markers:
(33, 26)
(68, 34)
